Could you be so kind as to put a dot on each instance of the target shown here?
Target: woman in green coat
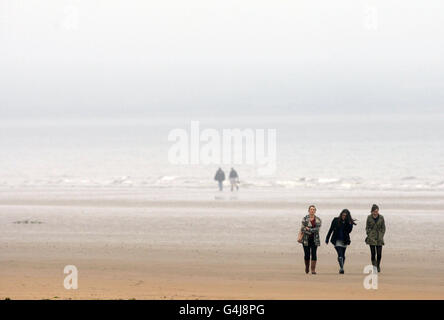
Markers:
(375, 235)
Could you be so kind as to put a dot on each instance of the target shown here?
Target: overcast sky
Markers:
(139, 58)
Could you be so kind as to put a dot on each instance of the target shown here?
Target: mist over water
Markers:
(96, 58)
(89, 91)
(343, 152)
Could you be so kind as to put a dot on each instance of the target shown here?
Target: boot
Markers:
(374, 264)
(341, 265)
(378, 265)
(307, 265)
(313, 266)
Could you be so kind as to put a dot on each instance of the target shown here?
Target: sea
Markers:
(401, 153)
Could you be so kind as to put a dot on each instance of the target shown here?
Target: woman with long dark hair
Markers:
(310, 238)
(375, 229)
(341, 227)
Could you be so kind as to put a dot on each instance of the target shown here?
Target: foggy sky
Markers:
(130, 58)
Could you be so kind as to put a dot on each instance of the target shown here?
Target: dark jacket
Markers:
(335, 229)
(233, 174)
(220, 175)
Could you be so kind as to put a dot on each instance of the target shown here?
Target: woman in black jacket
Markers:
(341, 227)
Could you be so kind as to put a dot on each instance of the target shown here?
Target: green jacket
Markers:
(375, 231)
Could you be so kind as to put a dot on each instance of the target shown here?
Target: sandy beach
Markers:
(127, 245)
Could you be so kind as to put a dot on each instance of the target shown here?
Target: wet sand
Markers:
(127, 247)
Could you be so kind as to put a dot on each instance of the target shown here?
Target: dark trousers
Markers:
(310, 250)
(341, 251)
(376, 252)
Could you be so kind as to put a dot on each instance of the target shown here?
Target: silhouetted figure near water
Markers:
(220, 177)
(234, 179)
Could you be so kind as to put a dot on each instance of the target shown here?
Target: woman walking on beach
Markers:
(309, 237)
(341, 227)
(375, 235)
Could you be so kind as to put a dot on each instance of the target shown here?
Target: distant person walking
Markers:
(220, 177)
(234, 179)
(309, 237)
(375, 235)
(340, 228)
